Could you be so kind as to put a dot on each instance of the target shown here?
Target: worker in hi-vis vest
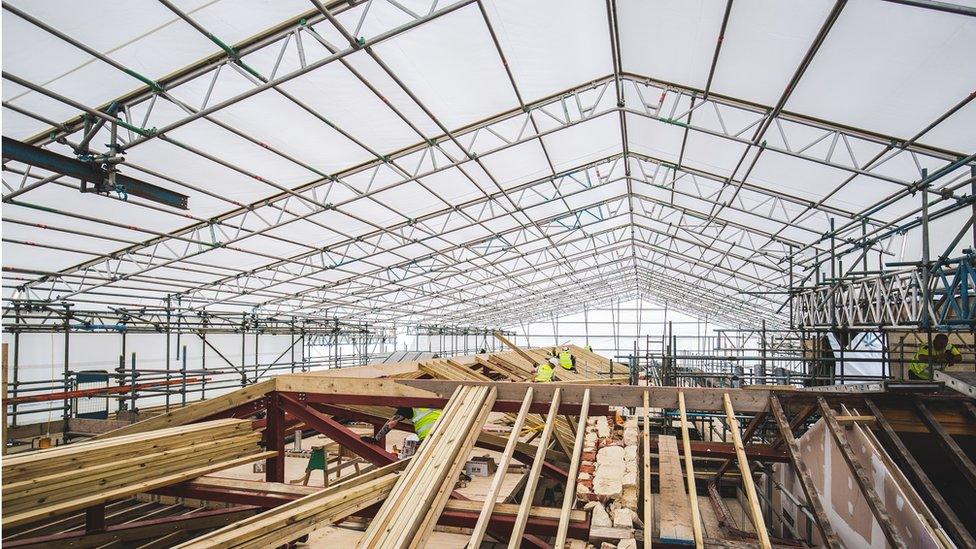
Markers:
(566, 359)
(423, 422)
(543, 372)
(944, 354)
(588, 348)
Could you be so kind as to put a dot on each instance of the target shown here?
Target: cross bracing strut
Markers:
(236, 278)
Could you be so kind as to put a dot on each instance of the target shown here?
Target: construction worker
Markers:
(588, 348)
(423, 422)
(566, 359)
(543, 372)
(945, 354)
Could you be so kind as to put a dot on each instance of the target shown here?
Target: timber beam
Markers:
(726, 450)
(223, 494)
(138, 530)
(861, 475)
(336, 401)
(541, 521)
(923, 483)
(433, 393)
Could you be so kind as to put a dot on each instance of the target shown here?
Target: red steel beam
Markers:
(758, 452)
(336, 431)
(238, 496)
(548, 469)
(362, 417)
(165, 525)
(438, 402)
(241, 411)
(539, 526)
(101, 391)
(274, 439)
(499, 523)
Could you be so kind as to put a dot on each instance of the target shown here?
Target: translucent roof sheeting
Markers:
(482, 162)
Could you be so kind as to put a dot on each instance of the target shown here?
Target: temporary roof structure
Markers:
(480, 161)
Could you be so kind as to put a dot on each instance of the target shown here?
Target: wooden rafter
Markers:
(696, 524)
(570, 495)
(747, 483)
(801, 470)
(864, 480)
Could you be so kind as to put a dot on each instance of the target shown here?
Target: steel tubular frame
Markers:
(452, 281)
(894, 299)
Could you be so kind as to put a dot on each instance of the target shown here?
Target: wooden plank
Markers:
(196, 411)
(73, 458)
(956, 454)
(461, 456)
(515, 348)
(675, 513)
(52, 488)
(960, 534)
(646, 475)
(421, 464)
(569, 498)
(436, 480)
(850, 420)
(748, 485)
(422, 489)
(690, 474)
(864, 480)
(515, 541)
(297, 518)
(140, 529)
(696, 398)
(806, 481)
(109, 495)
(478, 533)
(90, 447)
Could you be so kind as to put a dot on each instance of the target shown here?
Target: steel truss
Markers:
(895, 299)
(615, 226)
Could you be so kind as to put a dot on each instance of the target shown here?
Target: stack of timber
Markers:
(510, 370)
(197, 411)
(449, 369)
(52, 482)
(288, 522)
(411, 510)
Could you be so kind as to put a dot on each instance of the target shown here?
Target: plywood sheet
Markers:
(673, 511)
(846, 507)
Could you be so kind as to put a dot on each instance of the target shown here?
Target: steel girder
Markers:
(462, 149)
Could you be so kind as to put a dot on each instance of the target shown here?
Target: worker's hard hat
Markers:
(565, 347)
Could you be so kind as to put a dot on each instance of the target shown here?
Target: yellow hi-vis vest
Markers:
(919, 365)
(566, 360)
(543, 373)
(423, 421)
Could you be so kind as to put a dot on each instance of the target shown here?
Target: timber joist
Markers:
(54, 482)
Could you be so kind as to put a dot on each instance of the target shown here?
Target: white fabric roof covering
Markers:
(482, 162)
